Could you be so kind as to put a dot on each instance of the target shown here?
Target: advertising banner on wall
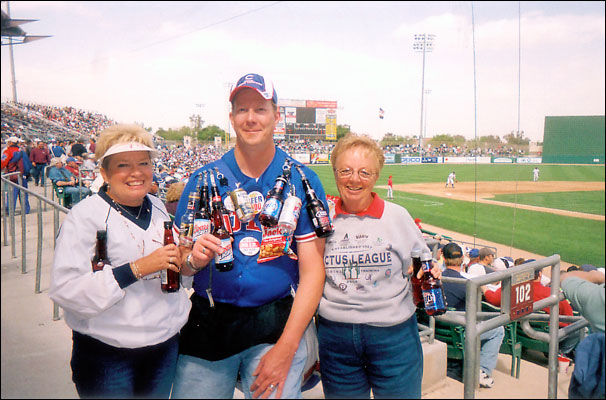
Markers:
(320, 104)
(290, 115)
(331, 127)
(529, 160)
(502, 160)
(321, 115)
(303, 158)
(429, 160)
(390, 158)
(466, 160)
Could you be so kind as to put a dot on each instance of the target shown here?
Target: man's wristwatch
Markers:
(190, 263)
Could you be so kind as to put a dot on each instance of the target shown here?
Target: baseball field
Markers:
(562, 213)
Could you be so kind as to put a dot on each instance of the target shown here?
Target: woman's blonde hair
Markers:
(352, 140)
(121, 133)
(174, 191)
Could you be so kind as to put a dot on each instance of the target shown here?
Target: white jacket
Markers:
(95, 305)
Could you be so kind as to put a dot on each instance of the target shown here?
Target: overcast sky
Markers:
(157, 63)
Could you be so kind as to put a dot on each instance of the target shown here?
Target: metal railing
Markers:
(477, 322)
(8, 189)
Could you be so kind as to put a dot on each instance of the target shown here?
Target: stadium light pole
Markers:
(427, 92)
(423, 43)
(228, 85)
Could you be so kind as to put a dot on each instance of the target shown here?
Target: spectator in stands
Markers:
(40, 157)
(58, 150)
(92, 146)
(540, 292)
(455, 297)
(65, 180)
(474, 257)
(486, 257)
(14, 159)
(585, 291)
(125, 329)
(173, 194)
(367, 330)
(78, 149)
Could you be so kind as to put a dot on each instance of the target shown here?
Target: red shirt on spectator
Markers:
(539, 292)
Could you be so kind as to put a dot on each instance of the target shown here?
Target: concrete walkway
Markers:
(36, 350)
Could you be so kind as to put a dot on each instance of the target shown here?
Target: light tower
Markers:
(423, 43)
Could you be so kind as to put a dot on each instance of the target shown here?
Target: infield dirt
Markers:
(482, 192)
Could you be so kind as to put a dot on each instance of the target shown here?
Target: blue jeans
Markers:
(355, 358)
(38, 174)
(203, 379)
(101, 370)
(490, 344)
(16, 194)
(75, 193)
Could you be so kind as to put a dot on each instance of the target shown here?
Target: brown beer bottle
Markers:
(315, 209)
(417, 293)
(100, 258)
(223, 262)
(169, 278)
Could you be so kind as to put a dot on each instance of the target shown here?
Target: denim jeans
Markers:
(101, 370)
(490, 344)
(16, 194)
(203, 379)
(355, 358)
(38, 174)
(76, 193)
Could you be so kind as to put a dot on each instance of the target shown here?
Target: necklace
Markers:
(129, 213)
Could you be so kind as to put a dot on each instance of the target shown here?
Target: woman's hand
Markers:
(166, 257)
(436, 271)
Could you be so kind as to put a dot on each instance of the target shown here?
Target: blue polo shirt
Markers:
(251, 283)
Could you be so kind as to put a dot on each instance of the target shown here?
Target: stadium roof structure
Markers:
(11, 29)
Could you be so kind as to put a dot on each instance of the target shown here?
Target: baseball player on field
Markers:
(452, 178)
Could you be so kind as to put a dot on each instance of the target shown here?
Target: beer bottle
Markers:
(289, 217)
(433, 295)
(202, 215)
(186, 227)
(270, 213)
(315, 209)
(169, 278)
(100, 258)
(223, 262)
(417, 294)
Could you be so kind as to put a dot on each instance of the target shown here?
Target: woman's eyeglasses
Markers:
(348, 173)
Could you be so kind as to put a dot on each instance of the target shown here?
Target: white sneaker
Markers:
(485, 380)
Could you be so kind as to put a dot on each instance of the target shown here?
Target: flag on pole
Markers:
(381, 113)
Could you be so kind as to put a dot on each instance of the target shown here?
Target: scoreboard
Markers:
(307, 119)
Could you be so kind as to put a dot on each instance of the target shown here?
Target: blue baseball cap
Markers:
(70, 159)
(474, 253)
(255, 81)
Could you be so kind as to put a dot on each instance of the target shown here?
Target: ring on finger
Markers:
(203, 250)
(271, 387)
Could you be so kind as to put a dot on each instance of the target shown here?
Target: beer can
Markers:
(241, 200)
(290, 213)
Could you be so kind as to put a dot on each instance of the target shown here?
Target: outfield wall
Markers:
(574, 140)
(391, 158)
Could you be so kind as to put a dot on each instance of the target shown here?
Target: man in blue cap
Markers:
(244, 321)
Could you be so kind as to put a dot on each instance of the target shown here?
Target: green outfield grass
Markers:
(576, 240)
(586, 202)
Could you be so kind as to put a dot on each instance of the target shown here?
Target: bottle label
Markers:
(433, 299)
(272, 207)
(164, 277)
(228, 253)
(201, 226)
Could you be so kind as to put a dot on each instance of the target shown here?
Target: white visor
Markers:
(129, 146)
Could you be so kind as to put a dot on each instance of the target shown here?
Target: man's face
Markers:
(253, 118)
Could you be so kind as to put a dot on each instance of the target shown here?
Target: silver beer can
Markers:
(242, 205)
